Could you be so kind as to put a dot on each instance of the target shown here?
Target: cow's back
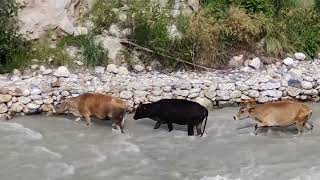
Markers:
(177, 108)
(281, 112)
(100, 105)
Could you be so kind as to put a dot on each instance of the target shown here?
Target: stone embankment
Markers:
(40, 89)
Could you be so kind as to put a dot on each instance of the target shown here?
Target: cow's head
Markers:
(244, 112)
(142, 111)
(62, 107)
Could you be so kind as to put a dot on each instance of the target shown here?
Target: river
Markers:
(57, 147)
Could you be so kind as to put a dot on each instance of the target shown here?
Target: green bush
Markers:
(92, 52)
(13, 47)
(317, 4)
(150, 29)
(103, 14)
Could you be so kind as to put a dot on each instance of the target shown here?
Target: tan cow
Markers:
(280, 113)
(95, 105)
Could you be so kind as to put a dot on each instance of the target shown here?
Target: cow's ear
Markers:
(251, 109)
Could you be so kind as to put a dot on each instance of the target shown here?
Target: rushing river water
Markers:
(43, 148)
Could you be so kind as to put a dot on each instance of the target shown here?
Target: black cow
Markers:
(168, 111)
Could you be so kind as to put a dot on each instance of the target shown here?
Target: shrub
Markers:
(13, 47)
(103, 14)
(92, 51)
(150, 29)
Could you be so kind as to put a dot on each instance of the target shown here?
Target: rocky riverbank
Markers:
(40, 88)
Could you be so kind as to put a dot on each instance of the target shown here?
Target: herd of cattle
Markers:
(183, 112)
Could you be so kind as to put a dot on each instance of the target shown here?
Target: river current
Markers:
(57, 147)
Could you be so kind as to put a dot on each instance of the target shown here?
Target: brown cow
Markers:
(95, 105)
(280, 113)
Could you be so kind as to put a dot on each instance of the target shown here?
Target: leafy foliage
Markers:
(13, 47)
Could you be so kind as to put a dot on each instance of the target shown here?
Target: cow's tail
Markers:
(205, 123)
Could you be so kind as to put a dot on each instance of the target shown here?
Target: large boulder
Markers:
(112, 45)
(39, 16)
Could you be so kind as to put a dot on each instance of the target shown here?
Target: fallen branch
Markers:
(164, 55)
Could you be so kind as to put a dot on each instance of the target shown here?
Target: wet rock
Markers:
(3, 108)
(294, 83)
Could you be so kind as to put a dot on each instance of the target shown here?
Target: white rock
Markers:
(35, 97)
(306, 85)
(255, 63)
(139, 68)
(300, 56)
(99, 69)
(34, 66)
(194, 4)
(24, 100)
(65, 93)
(223, 95)
(33, 106)
(227, 86)
(271, 93)
(126, 95)
(123, 70)
(4, 98)
(288, 61)
(236, 61)
(3, 108)
(62, 71)
(293, 91)
(16, 107)
(112, 68)
(35, 91)
(47, 71)
(25, 92)
(235, 94)
(253, 93)
(204, 102)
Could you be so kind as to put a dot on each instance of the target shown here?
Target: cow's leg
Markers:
(299, 125)
(170, 127)
(158, 124)
(87, 117)
(199, 129)
(309, 125)
(78, 119)
(257, 126)
(190, 129)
